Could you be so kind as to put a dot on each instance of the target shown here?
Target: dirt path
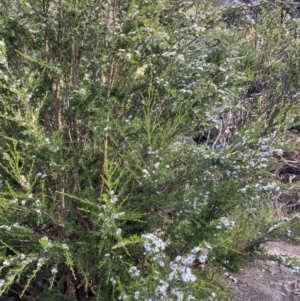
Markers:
(269, 280)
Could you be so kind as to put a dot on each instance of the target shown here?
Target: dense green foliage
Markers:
(104, 195)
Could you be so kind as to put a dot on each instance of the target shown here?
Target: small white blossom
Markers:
(156, 165)
(162, 288)
(2, 281)
(113, 281)
(65, 247)
(196, 250)
(38, 211)
(189, 260)
(40, 263)
(6, 263)
(114, 199)
(145, 172)
(178, 294)
(243, 190)
(134, 271)
(128, 56)
(202, 258)
(13, 201)
(53, 271)
(180, 58)
(161, 263)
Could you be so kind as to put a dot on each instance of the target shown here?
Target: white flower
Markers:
(40, 262)
(134, 271)
(202, 258)
(128, 56)
(243, 190)
(2, 282)
(189, 260)
(196, 250)
(162, 288)
(22, 256)
(156, 165)
(136, 295)
(65, 247)
(53, 271)
(13, 201)
(113, 281)
(114, 199)
(233, 279)
(178, 294)
(145, 172)
(23, 179)
(188, 276)
(208, 245)
(161, 263)
(180, 58)
(6, 263)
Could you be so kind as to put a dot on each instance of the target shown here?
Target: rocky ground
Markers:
(269, 280)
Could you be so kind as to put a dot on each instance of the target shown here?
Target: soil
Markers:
(268, 280)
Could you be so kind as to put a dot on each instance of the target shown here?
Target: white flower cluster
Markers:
(162, 288)
(40, 262)
(179, 270)
(24, 183)
(224, 223)
(8, 228)
(153, 244)
(134, 271)
(270, 186)
(226, 274)
(113, 197)
(65, 247)
(146, 173)
(39, 174)
(109, 216)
